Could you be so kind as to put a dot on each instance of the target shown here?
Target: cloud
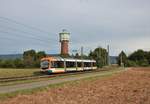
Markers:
(123, 24)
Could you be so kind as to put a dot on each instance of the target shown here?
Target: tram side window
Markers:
(79, 64)
(57, 64)
(94, 63)
(70, 64)
(87, 64)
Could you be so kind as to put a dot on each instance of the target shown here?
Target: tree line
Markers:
(31, 59)
(100, 55)
(137, 58)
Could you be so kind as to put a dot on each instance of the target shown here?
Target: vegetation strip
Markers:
(10, 72)
(10, 79)
(44, 79)
(9, 89)
(4, 96)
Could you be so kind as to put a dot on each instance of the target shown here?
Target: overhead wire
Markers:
(27, 26)
(27, 33)
(29, 44)
(21, 35)
(36, 40)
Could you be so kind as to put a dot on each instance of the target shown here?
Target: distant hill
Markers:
(19, 56)
(11, 56)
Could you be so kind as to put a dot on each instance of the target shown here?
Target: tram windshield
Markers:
(44, 64)
(57, 64)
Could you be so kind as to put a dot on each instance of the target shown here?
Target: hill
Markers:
(11, 56)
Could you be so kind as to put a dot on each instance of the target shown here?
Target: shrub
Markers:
(18, 63)
(7, 64)
(143, 62)
(130, 63)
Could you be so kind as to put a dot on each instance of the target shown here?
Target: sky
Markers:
(36, 24)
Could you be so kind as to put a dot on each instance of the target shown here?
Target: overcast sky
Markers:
(123, 24)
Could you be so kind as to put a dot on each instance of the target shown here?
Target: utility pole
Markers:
(82, 52)
(99, 59)
(121, 60)
(108, 57)
(82, 57)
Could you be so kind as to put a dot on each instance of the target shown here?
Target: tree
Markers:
(100, 55)
(29, 58)
(77, 55)
(19, 63)
(130, 63)
(137, 55)
(65, 56)
(147, 55)
(7, 64)
(140, 57)
(0, 62)
(122, 59)
(39, 56)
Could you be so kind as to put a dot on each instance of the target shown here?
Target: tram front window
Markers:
(44, 64)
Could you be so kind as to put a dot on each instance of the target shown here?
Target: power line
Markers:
(14, 47)
(18, 30)
(14, 40)
(26, 36)
(19, 23)
(37, 40)
(21, 44)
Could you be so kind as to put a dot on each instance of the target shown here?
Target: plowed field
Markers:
(129, 87)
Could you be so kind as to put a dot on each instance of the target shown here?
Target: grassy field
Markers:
(59, 85)
(43, 79)
(10, 72)
(129, 87)
(4, 73)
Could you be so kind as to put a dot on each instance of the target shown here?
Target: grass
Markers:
(7, 72)
(44, 79)
(22, 81)
(32, 80)
(70, 83)
(30, 72)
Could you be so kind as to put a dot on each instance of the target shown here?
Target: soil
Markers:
(129, 87)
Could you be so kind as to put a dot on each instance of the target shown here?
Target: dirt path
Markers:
(8, 89)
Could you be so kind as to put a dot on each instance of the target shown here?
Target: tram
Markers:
(61, 65)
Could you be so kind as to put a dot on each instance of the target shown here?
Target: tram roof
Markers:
(58, 58)
(73, 59)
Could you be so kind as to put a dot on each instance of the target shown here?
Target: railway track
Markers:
(13, 79)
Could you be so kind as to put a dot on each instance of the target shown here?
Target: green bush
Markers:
(7, 64)
(143, 63)
(18, 63)
(37, 64)
(130, 63)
